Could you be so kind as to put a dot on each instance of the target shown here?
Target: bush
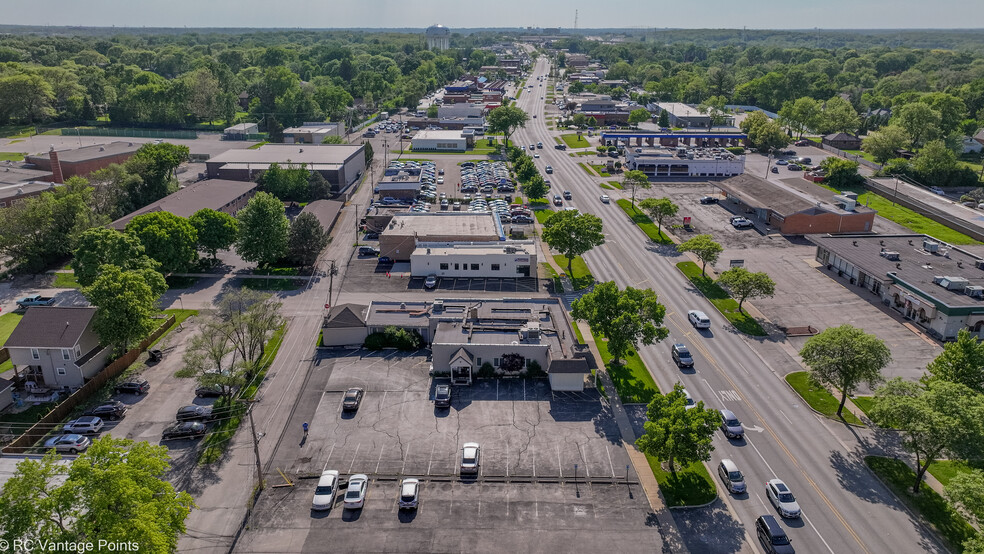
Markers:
(613, 149)
(736, 150)
(486, 371)
(394, 337)
(534, 371)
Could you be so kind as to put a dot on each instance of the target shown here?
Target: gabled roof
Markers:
(462, 353)
(51, 327)
(840, 136)
(346, 316)
(568, 365)
(979, 137)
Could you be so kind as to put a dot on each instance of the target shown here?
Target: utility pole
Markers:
(332, 271)
(256, 443)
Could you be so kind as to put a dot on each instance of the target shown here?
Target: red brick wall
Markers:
(801, 224)
(82, 168)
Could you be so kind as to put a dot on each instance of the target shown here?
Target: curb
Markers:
(695, 506)
(930, 528)
(796, 392)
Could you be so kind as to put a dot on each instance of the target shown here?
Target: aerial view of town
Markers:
(555, 278)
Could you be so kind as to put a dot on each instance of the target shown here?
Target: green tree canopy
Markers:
(744, 284)
(839, 116)
(432, 111)
(801, 115)
(289, 184)
(634, 178)
(125, 302)
(625, 317)
(763, 133)
(674, 434)
(704, 247)
(883, 143)
(966, 491)
(841, 174)
(306, 240)
(639, 115)
(536, 187)
(505, 120)
(659, 209)
(572, 233)
(263, 230)
(100, 246)
(920, 121)
(664, 119)
(333, 139)
(167, 238)
(215, 230)
(116, 491)
(962, 361)
(845, 357)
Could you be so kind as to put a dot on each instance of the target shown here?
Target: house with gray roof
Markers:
(57, 347)
(345, 325)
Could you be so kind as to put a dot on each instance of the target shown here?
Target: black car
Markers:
(772, 536)
(709, 199)
(352, 399)
(568, 195)
(137, 387)
(194, 413)
(111, 410)
(184, 430)
(368, 251)
(208, 392)
(442, 396)
(371, 235)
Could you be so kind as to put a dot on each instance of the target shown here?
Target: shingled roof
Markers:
(346, 316)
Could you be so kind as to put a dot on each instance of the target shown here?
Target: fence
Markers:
(850, 156)
(128, 132)
(927, 210)
(38, 431)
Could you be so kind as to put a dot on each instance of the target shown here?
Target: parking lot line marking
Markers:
(430, 460)
(586, 472)
(560, 463)
(610, 464)
(329, 456)
(403, 468)
(380, 458)
(355, 457)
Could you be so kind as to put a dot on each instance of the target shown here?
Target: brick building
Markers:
(217, 194)
(82, 161)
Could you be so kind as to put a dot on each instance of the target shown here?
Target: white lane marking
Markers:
(785, 416)
(743, 368)
(610, 464)
(329, 456)
(403, 468)
(818, 533)
(710, 388)
(380, 458)
(749, 441)
(354, 457)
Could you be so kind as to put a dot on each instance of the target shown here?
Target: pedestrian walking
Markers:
(305, 426)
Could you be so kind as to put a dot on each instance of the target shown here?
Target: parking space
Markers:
(478, 284)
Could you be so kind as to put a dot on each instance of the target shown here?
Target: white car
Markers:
(699, 319)
(469, 457)
(440, 180)
(355, 495)
(605, 199)
(690, 400)
(324, 494)
(937, 190)
(409, 494)
(83, 425)
(782, 498)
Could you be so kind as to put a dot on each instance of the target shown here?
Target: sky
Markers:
(754, 14)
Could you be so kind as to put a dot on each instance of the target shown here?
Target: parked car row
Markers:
(356, 491)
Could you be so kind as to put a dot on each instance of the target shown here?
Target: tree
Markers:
(664, 119)
(675, 434)
(763, 133)
(204, 99)
(288, 183)
(156, 164)
(212, 357)
(658, 210)
(368, 151)
(844, 357)
(525, 169)
(938, 419)
(536, 187)
(577, 87)
(885, 142)
(168, 238)
(116, 491)
(920, 121)
(841, 174)
(318, 187)
(706, 250)
(966, 492)
(27, 98)
(638, 116)
(743, 284)
(99, 247)
(952, 110)
(839, 116)
(573, 233)
(216, 230)
(432, 111)
(505, 120)
(935, 162)
(333, 139)
(801, 115)
(635, 179)
(512, 362)
(263, 230)
(125, 302)
(306, 240)
(962, 361)
(625, 317)
(250, 318)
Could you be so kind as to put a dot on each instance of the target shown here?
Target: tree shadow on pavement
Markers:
(710, 529)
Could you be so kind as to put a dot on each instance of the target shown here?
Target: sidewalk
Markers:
(673, 541)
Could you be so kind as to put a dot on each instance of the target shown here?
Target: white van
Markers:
(699, 319)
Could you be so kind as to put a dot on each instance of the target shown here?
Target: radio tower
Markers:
(575, 20)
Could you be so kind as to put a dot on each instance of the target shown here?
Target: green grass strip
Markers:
(819, 398)
(721, 300)
(643, 221)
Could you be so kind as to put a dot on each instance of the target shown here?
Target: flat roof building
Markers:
(241, 131)
(684, 115)
(401, 184)
(83, 161)
(509, 259)
(665, 163)
(937, 286)
(326, 211)
(340, 164)
(440, 141)
(218, 194)
(312, 133)
(404, 231)
(802, 207)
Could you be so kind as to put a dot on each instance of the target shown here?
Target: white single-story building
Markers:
(440, 141)
(665, 162)
(241, 131)
(312, 133)
(508, 259)
(345, 325)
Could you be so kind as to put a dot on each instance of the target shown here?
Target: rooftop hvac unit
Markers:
(979, 264)
(937, 279)
(975, 292)
(438, 305)
(931, 246)
(954, 283)
(890, 255)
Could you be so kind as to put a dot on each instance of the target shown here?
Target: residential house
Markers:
(842, 141)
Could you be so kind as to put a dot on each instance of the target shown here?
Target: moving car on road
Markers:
(772, 536)
(605, 199)
(730, 425)
(733, 479)
(682, 356)
(699, 319)
(782, 498)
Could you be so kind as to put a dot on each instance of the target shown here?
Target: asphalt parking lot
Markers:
(525, 498)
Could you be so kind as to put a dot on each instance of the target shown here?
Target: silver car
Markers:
(782, 498)
(469, 457)
(733, 479)
(409, 494)
(730, 425)
(68, 444)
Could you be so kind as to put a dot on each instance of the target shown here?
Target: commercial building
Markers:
(684, 115)
(240, 131)
(937, 286)
(404, 231)
(801, 207)
(465, 334)
(82, 161)
(325, 211)
(403, 185)
(340, 164)
(312, 133)
(440, 141)
(576, 60)
(218, 194)
(670, 139)
(19, 183)
(510, 259)
(667, 163)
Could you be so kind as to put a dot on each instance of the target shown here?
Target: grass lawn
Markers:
(582, 277)
(217, 440)
(931, 506)
(602, 170)
(632, 379)
(864, 403)
(285, 271)
(607, 187)
(65, 281)
(11, 156)
(175, 282)
(642, 220)
(689, 486)
(7, 324)
(573, 140)
(722, 301)
(257, 145)
(863, 154)
(946, 470)
(558, 287)
(814, 139)
(616, 184)
(818, 398)
(16, 131)
(542, 215)
(30, 415)
(270, 284)
(586, 169)
(179, 317)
